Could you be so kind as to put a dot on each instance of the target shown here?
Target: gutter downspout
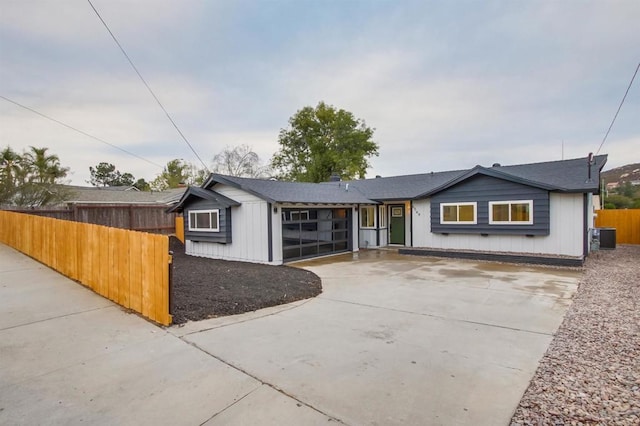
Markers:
(411, 222)
(585, 228)
(270, 232)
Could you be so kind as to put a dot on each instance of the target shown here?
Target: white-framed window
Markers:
(300, 215)
(518, 212)
(396, 211)
(382, 216)
(204, 220)
(368, 217)
(459, 213)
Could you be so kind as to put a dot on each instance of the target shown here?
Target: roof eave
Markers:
(214, 178)
(191, 192)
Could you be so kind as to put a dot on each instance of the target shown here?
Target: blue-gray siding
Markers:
(482, 189)
(224, 234)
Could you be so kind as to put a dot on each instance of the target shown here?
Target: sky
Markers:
(446, 85)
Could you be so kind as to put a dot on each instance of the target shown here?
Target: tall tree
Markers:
(321, 141)
(239, 161)
(44, 167)
(176, 173)
(102, 174)
(142, 185)
(31, 179)
(126, 179)
(10, 170)
(106, 174)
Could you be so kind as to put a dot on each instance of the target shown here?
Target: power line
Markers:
(619, 107)
(79, 131)
(147, 86)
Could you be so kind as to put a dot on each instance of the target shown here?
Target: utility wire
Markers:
(147, 86)
(79, 131)
(619, 107)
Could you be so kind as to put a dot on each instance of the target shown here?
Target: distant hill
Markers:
(626, 173)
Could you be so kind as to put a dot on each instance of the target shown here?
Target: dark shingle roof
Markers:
(293, 192)
(403, 187)
(563, 176)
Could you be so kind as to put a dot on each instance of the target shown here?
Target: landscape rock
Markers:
(590, 374)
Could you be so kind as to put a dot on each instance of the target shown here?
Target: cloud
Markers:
(74, 22)
(446, 85)
(117, 110)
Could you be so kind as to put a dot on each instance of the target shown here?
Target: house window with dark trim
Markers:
(204, 220)
(459, 213)
(368, 217)
(518, 212)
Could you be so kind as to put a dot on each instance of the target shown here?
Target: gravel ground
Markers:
(206, 288)
(590, 374)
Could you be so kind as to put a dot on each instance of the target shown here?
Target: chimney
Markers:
(334, 177)
(590, 162)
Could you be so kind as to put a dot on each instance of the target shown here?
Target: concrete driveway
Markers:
(401, 340)
(392, 340)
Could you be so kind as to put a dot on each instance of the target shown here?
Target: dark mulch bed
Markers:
(206, 288)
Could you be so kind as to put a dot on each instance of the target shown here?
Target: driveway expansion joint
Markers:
(437, 316)
(215, 327)
(230, 405)
(271, 385)
(58, 317)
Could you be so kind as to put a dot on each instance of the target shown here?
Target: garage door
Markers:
(315, 232)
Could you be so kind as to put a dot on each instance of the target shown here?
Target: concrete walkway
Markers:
(392, 340)
(69, 356)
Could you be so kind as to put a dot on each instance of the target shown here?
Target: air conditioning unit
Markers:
(607, 238)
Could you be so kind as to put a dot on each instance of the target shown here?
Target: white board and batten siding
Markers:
(367, 238)
(565, 237)
(249, 231)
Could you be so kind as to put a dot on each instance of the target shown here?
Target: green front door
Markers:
(396, 224)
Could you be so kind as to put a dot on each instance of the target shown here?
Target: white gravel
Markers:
(590, 374)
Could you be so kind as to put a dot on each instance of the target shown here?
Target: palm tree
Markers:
(44, 168)
(10, 169)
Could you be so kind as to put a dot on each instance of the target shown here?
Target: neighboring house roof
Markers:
(117, 195)
(292, 192)
(171, 196)
(119, 188)
(195, 192)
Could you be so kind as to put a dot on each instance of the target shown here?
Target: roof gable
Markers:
(575, 175)
(206, 194)
(479, 170)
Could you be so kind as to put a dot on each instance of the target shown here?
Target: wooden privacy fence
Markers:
(127, 267)
(626, 222)
(137, 217)
(180, 228)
